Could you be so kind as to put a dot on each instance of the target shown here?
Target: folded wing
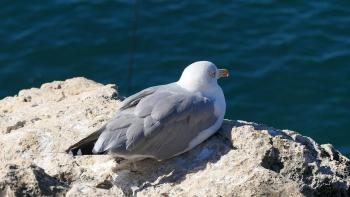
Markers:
(158, 123)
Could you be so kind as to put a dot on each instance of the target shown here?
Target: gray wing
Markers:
(160, 125)
(135, 99)
(172, 124)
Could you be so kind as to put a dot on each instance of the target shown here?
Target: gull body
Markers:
(163, 121)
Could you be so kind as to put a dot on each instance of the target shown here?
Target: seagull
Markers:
(163, 121)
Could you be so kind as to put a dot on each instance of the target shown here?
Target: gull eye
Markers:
(212, 74)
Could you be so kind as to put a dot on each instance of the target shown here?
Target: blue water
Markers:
(289, 60)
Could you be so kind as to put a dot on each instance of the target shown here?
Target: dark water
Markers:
(289, 61)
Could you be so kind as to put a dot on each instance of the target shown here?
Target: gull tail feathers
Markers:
(86, 145)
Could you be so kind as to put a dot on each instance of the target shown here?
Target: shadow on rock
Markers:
(16, 182)
(150, 173)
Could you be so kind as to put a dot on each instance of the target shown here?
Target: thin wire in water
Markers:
(132, 47)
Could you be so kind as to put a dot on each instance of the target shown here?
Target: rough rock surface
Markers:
(242, 159)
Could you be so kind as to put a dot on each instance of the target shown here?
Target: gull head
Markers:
(201, 76)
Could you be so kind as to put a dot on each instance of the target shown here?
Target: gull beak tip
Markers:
(223, 73)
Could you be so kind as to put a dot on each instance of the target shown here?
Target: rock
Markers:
(242, 159)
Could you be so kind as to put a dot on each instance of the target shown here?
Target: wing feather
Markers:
(135, 98)
(178, 118)
(158, 122)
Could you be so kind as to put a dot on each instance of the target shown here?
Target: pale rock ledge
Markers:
(242, 159)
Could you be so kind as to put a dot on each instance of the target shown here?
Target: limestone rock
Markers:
(242, 159)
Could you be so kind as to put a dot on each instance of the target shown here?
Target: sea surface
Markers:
(289, 60)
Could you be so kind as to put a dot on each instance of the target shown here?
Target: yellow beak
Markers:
(222, 73)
